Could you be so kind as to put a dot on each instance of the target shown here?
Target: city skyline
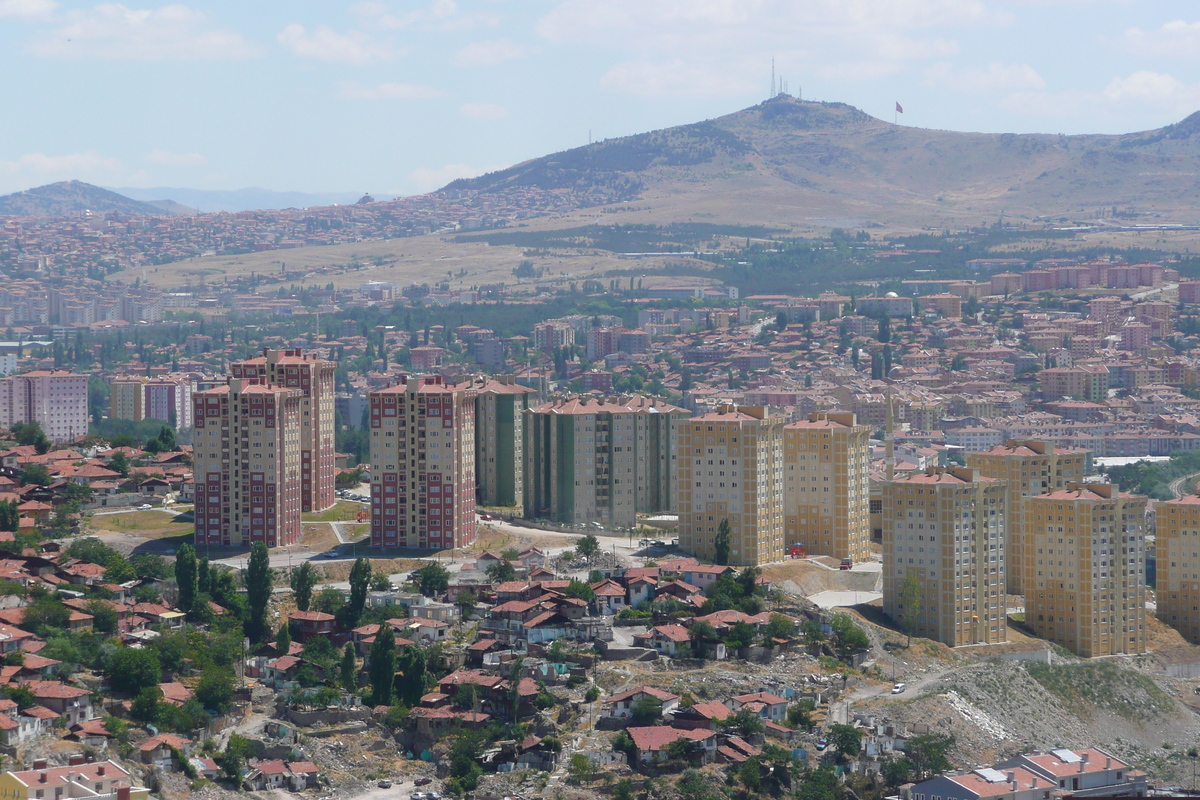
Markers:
(398, 98)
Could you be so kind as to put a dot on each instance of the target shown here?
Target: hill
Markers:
(801, 163)
(248, 199)
(71, 198)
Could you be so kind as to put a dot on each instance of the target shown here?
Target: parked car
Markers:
(486, 517)
(422, 781)
(847, 563)
(899, 688)
(822, 744)
(145, 507)
(418, 796)
(385, 784)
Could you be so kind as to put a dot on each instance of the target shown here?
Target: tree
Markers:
(215, 690)
(928, 753)
(741, 634)
(750, 774)
(580, 769)
(233, 759)
(746, 722)
(679, 749)
(910, 604)
(646, 711)
(145, 707)
(104, 616)
(501, 572)
(800, 714)
(849, 637)
(897, 771)
(31, 433)
(283, 639)
(36, 474)
(258, 591)
(119, 463)
(203, 576)
(46, 615)
(348, 673)
(580, 591)
(587, 547)
(432, 579)
(845, 739)
(303, 581)
(623, 790)
(187, 577)
(380, 582)
(383, 666)
(722, 548)
(778, 627)
(132, 670)
(360, 584)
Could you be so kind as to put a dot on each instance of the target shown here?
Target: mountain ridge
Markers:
(73, 198)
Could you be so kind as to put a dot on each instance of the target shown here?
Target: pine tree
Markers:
(258, 591)
(383, 666)
(349, 668)
(186, 576)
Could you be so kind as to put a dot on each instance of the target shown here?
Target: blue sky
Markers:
(400, 96)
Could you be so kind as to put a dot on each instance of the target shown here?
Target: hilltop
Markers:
(71, 198)
(802, 163)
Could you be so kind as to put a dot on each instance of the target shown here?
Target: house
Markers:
(1091, 771)
(98, 781)
(306, 624)
(433, 723)
(650, 744)
(304, 775)
(488, 558)
(205, 767)
(610, 596)
(768, 706)
(160, 750)
(737, 750)
(67, 701)
(428, 630)
(264, 775)
(531, 558)
(91, 734)
(175, 693)
(704, 575)
(281, 670)
(640, 589)
(159, 614)
(620, 706)
(668, 640)
(701, 715)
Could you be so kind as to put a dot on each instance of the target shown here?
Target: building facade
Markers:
(826, 487)
(1031, 467)
(946, 527)
(127, 398)
(169, 398)
(600, 460)
(55, 399)
(500, 406)
(423, 464)
(1177, 549)
(247, 464)
(1085, 569)
(291, 369)
(730, 467)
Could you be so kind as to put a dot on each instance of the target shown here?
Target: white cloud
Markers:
(388, 91)
(1177, 39)
(440, 15)
(482, 111)
(995, 77)
(1154, 89)
(713, 47)
(26, 9)
(1145, 95)
(487, 54)
(325, 44)
(34, 169)
(427, 179)
(169, 159)
(117, 32)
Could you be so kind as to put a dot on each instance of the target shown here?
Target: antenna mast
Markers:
(772, 76)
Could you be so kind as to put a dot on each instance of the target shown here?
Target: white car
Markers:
(899, 688)
(145, 507)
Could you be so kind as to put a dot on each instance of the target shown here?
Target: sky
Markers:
(402, 96)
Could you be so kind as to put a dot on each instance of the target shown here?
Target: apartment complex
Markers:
(946, 527)
(826, 488)
(1177, 548)
(500, 405)
(730, 467)
(55, 399)
(600, 460)
(127, 398)
(167, 398)
(423, 464)
(1031, 467)
(291, 369)
(246, 463)
(1085, 567)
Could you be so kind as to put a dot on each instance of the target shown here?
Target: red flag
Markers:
(899, 108)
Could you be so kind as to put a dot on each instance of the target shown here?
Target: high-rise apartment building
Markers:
(826, 488)
(1177, 549)
(291, 369)
(127, 398)
(1031, 467)
(246, 464)
(55, 399)
(500, 405)
(600, 460)
(730, 467)
(169, 398)
(423, 464)
(1085, 569)
(946, 528)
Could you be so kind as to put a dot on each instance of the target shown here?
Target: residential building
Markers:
(500, 405)
(1037, 776)
(826, 487)
(127, 398)
(1177, 542)
(553, 335)
(1031, 467)
(1088, 382)
(423, 464)
(1085, 569)
(600, 460)
(98, 780)
(313, 377)
(169, 398)
(55, 399)
(247, 464)
(946, 527)
(730, 467)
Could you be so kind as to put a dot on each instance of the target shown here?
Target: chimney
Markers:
(123, 792)
(75, 760)
(1012, 777)
(1035, 781)
(41, 777)
(39, 764)
(1107, 762)
(100, 770)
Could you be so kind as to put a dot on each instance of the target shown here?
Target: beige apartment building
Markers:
(1031, 467)
(600, 460)
(423, 464)
(826, 488)
(246, 464)
(947, 527)
(127, 397)
(313, 376)
(1177, 548)
(730, 466)
(500, 405)
(1085, 568)
(55, 399)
